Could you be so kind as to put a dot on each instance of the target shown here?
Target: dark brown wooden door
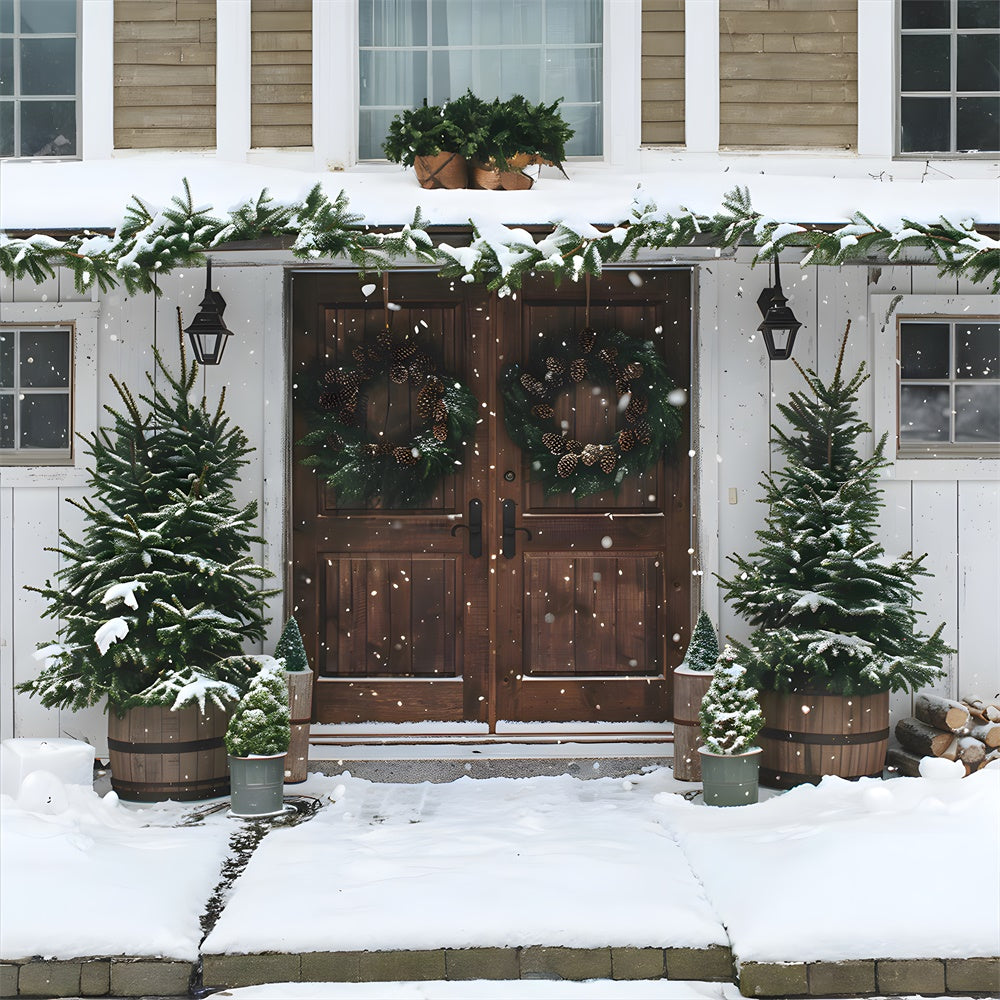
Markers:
(402, 623)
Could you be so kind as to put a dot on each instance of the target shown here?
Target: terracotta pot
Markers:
(489, 178)
(444, 170)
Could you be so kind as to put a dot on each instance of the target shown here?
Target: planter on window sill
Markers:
(489, 177)
(442, 170)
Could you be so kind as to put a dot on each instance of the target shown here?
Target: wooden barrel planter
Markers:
(808, 736)
(689, 688)
(300, 688)
(156, 754)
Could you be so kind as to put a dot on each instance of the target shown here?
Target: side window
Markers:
(36, 366)
(949, 76)
(949, 387)
(39, 77)
(415, 52)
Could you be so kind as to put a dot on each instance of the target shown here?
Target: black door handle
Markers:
(474, 527)
(510, 530)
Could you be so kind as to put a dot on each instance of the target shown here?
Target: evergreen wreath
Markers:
(363, 468)
(562, 464)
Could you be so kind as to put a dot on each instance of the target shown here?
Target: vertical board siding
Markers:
(788, 73)
(164, 74)
(662, 72)
(281, 73)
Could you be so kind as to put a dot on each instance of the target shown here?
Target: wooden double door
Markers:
(578, 615)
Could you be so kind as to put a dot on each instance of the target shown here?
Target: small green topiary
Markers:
(260, 726)
(291, 649)
(730, 716)
(703, 650)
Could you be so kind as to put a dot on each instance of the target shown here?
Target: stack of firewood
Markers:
(967, 731)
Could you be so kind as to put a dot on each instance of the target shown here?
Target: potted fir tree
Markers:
(292, 652)
(257, 741)
(730, 721)
(691, 680)
(835, 618)
(156, 598)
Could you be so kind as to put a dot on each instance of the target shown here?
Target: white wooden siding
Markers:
(955, 521)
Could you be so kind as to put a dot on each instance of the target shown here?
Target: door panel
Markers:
(587, 620)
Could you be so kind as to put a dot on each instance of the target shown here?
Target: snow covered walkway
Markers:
(817, 876)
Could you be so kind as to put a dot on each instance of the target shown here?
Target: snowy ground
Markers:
(830, 873)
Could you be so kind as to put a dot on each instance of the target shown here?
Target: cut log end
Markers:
(922, 739)
(942, 713)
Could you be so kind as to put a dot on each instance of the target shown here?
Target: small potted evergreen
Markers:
(518, 134)
(257, 740)
(292, 652)
(436, 141)
(691, 680)
(730, 721)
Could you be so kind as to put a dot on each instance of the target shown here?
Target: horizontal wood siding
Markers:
(662, 72)
(788, 73)
(281, 73)
(164, 74)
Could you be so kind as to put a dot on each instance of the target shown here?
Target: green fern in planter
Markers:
(703, 650)
(730, 716)
(517, 126)
(260, 725)
(428, 131)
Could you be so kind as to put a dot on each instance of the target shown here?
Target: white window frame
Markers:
(81, 318)
(886, 312)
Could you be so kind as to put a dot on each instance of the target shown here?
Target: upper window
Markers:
(949, 387)
(414, 52)
(35, 387)
(39, 72)
(949, 76)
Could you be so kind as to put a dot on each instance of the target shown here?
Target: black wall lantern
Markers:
(208, 331)
(779, 325)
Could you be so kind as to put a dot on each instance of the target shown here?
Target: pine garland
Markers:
(154, 241)
(364, 468)
(638, 381)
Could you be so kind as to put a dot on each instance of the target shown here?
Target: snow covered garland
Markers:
(362, 467)
(153, 241)
(643, 392)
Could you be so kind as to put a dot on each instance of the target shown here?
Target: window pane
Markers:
(978, 124)
(48, 66)
(6, 421)
(7, 360)
(978, 14)
(6, 65)
(977, 351)
(489, 73)
(396, 79)
(588, 121)
(925, 124)
(48, 128)
(6, 128)
(44, 359)
(573, 21)
(393, 22)
(373, 127)
(923, 350)
(6, 16)
(486, 22)
(979, 62)
(924, 413)
(977, 413)
(574, 75)
(926, 14)
(48, 16)
(926, 62)
(45, 420)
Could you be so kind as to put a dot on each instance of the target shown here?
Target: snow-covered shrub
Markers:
(703, 650)
(260, 725)
(730, 716)
(290, 648)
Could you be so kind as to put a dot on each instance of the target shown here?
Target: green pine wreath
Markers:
(362, 467)
(651, 421)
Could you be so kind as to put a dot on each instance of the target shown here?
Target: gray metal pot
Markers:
(730, 779)
(258, 784)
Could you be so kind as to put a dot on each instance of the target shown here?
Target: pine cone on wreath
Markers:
(623, 386)
(399, 373)
(405, 352)
(590, 454)
(330, 376)
(608, 355)
(566, 465)
(440, 412)
(404, 456)
(575, 446)
(436, 386)
(371, 449)
(554, 442)
(330, 400)
(441, 432)
(587, 339)
(555, 369)
(608, 460)
(637, 406)
(627, 439)
(543, 411)
(642, 433)
(360, 354)
(384, 340)
(425, 403)
(633, 370)
(532, 385)
(578, 370)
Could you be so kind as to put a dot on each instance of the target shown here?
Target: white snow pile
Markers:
(84, 875)
(837, 871)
